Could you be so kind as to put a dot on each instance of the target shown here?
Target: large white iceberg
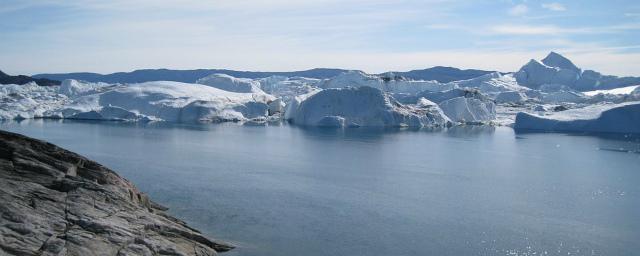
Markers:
(363, 106)
(231, 84)
(556, 69)
(614, 118)
(162, 101)
(535, 74)
(28, 100)
(468, 110)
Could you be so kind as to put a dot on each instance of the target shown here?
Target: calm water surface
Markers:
(283, 190)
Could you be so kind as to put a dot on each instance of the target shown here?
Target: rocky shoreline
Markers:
(56, 202)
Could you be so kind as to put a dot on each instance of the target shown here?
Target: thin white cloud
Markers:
(518, 10)
(556, 30)
(528, 30)
(123, 35)
(556, 7)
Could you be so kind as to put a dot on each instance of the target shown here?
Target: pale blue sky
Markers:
(375, 35)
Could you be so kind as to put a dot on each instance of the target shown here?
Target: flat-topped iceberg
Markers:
(363, 106)
(614, 118)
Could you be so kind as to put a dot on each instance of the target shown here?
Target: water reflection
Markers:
(289, 190)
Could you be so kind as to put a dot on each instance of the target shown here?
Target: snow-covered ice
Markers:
(616, 91)
(352, 98)
(363, 106)
(492, 83)
(510, 97)
(614, 118)
(163, 101)
(288, 87)
(468, 110)
(388, 83)
(28, 100)
(231, 84)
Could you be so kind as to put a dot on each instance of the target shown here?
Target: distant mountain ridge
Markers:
(443, 74)
(185, 76)
(440, 74)
(20, 79)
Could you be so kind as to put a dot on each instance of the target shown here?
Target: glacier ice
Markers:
(231, 84)
(388, 83)
(510, 97)
(363, 106)
(162, 101)
(613, 118)
(468, 110)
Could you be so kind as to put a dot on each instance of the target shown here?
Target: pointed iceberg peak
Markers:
(556, 60)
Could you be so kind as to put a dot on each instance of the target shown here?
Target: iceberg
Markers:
(231, 84)
(362, 106)
(617, 91)
(556, 69)
(74, 88)
(159, 101)
(610, 118)
(288, 87)
(28, 101)
(463, 105)
(492, 83)
(468, 110)
(183, 102)
(535, 74)
(450, 94)
(387, 83)
(510, 97)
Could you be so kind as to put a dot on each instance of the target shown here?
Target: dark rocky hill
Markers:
(55, 202)
(7, 79)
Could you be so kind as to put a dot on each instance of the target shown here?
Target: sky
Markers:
(52, 36)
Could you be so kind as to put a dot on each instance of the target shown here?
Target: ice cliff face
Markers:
(363, 106)
(468, 110)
